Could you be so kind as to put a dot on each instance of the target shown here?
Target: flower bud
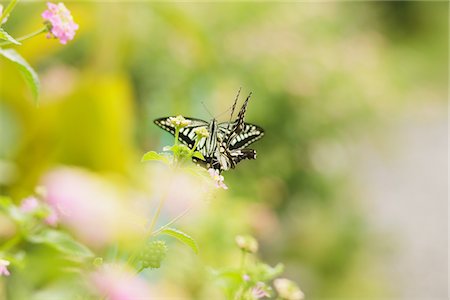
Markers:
(153, 254)
(179, 121)
(201, 132)
(247, 243)
(287, 289)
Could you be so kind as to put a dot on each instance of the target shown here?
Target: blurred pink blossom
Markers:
(3, 267)
(181, 189)
(116, 282)
(29, 204)
(62, 25)
(91, 207)
(215, 175)
(52, 218)
(260, 291)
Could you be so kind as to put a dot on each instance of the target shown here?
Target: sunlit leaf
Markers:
(199, 155)
(152, 155)
(31, 77)
(182, 237)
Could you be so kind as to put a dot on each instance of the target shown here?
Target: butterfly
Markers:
(226, 144)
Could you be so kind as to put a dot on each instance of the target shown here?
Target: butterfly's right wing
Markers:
(249, 134)
(187, 134)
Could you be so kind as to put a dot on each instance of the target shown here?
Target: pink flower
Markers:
(62, 25)
(52, 218)
(3, 267)
(217, 178)
(260, 290)
(116, 282)
(29, 204)
(91, 207)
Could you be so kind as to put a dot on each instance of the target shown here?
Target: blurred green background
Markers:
(323, 75)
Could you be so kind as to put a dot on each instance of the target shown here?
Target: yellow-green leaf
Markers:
(182, 237)
(27, 71)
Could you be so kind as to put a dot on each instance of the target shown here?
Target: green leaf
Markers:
(152, 155)
(198, 155)
(61, 241)
(7, 206)
(182, 237)
(27, 71)
(5, 36)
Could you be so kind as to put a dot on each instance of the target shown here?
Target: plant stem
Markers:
(173, 220)
(27, 36)
(195, 147)
(157, 213)
(177, 133)
(8, 10)
(243, 256)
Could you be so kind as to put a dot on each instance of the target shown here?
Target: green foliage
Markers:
(182, 237)
(6, 37)
(27, 71)
(62, 242)
(152, 155)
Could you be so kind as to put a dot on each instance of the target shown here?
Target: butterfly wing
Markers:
(249, 134)
(187, 135)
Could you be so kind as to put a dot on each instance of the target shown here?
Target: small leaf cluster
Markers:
(31, 229)
(253, 279)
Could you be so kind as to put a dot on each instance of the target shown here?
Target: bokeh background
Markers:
(349, 189)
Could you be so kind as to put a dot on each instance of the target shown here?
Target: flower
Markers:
(29, 204)
(32, 204)
(287, 289)
(91, 207)
(247, 243)
(117, 282)
(179, 121)
(201, 132)
(60, 22)
(215, 175)
(3, 267)
(52, 218)
(260, 290)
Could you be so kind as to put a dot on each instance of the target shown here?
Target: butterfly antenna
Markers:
(204, 106)
(234, 107)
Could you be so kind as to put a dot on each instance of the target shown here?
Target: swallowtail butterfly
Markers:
(226, 144)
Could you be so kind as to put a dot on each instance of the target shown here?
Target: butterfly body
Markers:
(226, 144)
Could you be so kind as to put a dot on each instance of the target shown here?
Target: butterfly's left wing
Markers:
(187, 134)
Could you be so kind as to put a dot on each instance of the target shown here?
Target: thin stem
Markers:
(243, 256)
(195, 147)
(177, 133)
(27, 36)
(135, 253)
(158, 212)
(173, 220)
(8, 10)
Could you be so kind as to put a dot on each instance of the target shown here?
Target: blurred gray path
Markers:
(404, 188)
